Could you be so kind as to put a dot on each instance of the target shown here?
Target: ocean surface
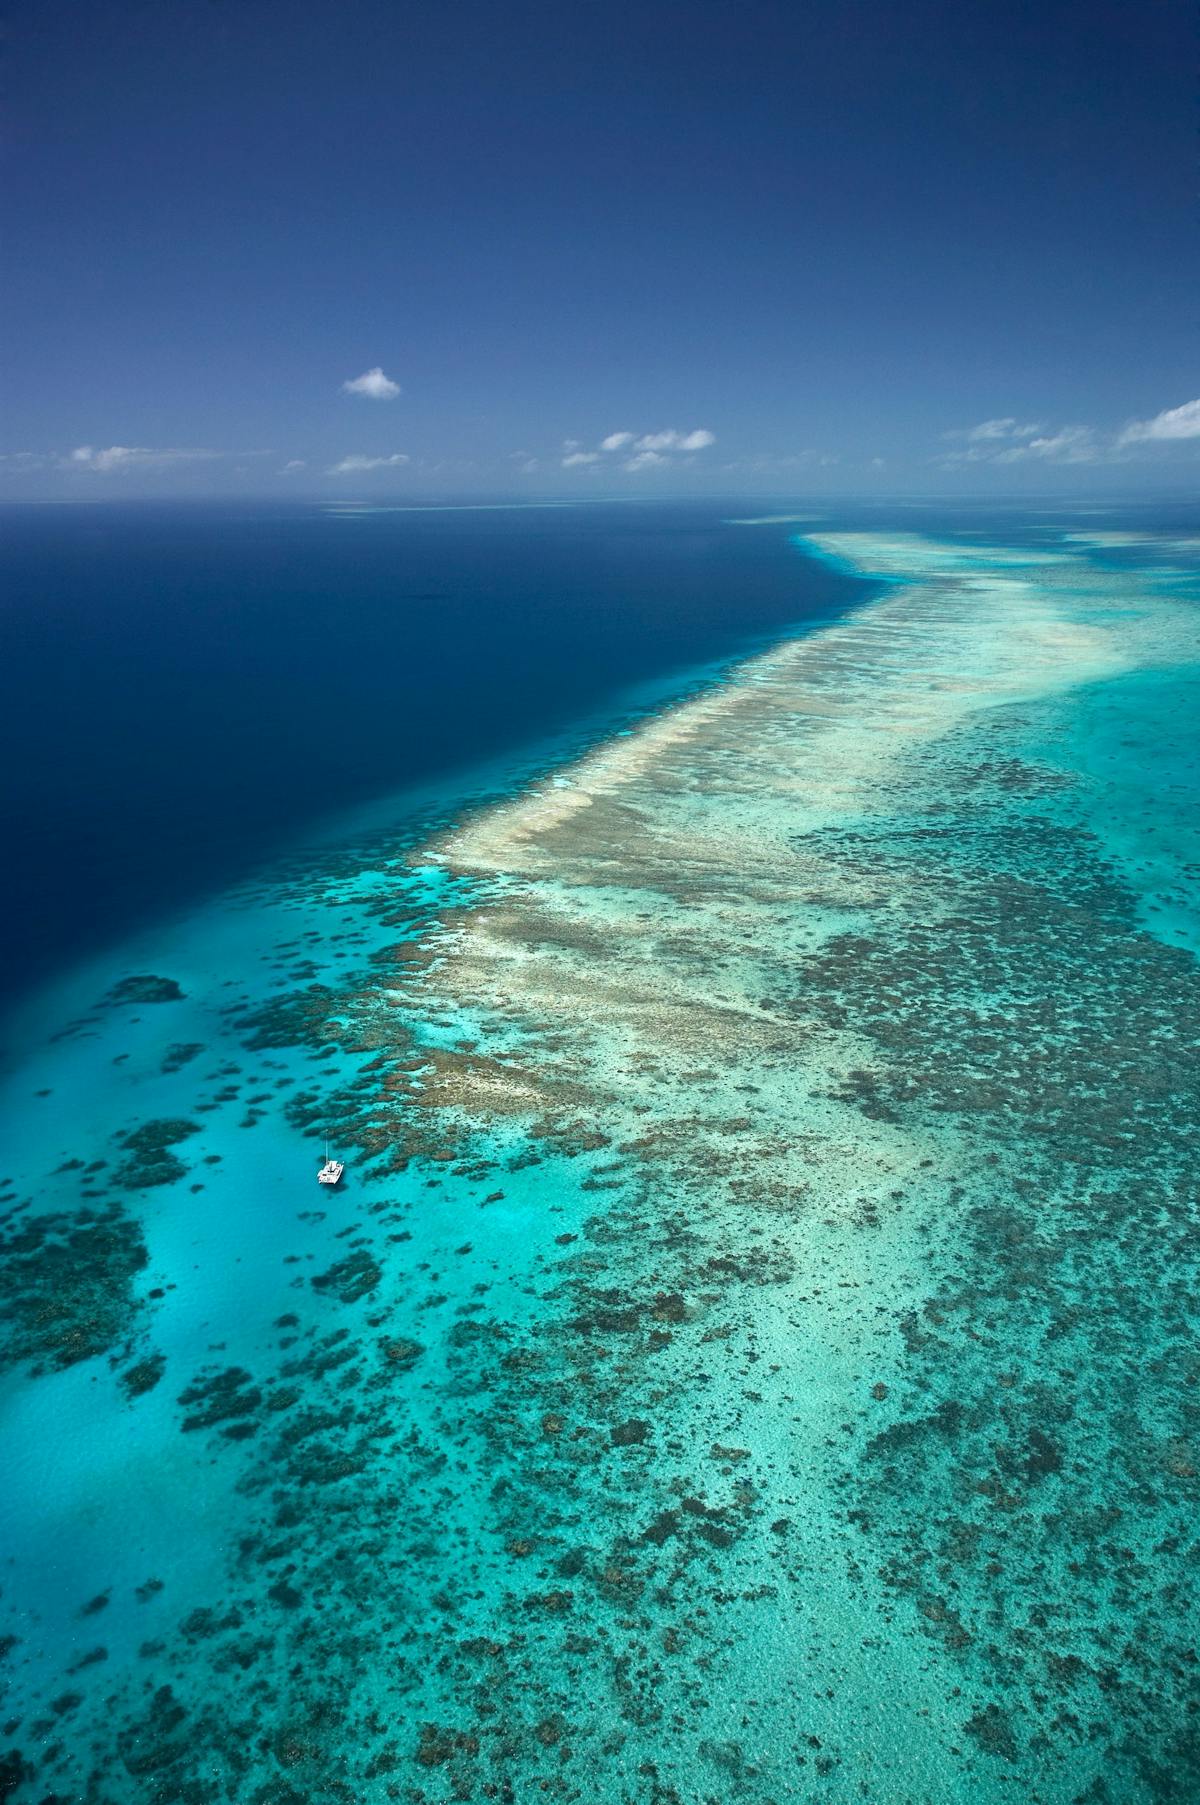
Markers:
(747, 960)
(191, 689)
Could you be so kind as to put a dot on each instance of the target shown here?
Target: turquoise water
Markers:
(752, 1355)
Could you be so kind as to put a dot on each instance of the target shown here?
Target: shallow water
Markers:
(753, 1354)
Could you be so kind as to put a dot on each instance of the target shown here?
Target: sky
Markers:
(373, 251)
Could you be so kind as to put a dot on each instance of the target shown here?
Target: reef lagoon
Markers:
(752, 1355)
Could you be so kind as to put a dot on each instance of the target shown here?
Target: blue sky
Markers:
(753, 247)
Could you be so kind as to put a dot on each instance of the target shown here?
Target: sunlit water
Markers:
(752, 1354)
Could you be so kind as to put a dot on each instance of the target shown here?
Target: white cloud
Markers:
(1005, 441)
(699, 439)
(1173, 423)
(1069, 445)
(349, 466)
(374, 385)
(1007, 428)
(645, 460)
(580, 457)
(292, 465)
(670, 440)
(132, 457)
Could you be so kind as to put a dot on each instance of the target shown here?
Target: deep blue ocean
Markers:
(189, 689)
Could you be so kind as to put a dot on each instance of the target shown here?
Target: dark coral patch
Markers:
(144, 1375)
(66, 1285)
(223, 1397)
(145, 988)
(149, 1160)
(351, 1278)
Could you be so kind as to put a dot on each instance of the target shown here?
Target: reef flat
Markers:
(754, 1358)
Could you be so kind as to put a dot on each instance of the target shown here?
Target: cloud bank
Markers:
(998, 429)
(357, 461)
(671, 440)
(1069, 445)
(132, 457)
(647, 451)
(1173, 423)
(373, 384)
(1004, 441)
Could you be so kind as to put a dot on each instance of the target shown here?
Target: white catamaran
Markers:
(331, 1171)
